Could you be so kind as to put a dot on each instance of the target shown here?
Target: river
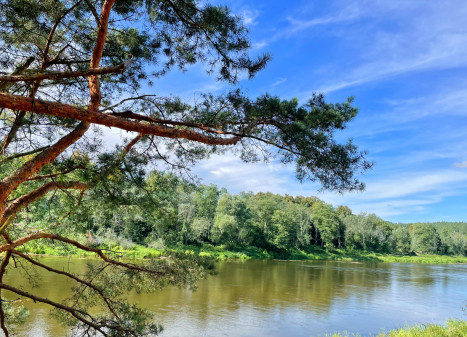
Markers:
(282, 298)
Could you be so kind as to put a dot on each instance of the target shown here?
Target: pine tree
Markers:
(67, 65)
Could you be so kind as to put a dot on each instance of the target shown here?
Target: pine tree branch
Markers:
(19, 70)
(78, 314)
(66, 74)
(32, 196)
(99, 252)
(53, 175)
(69, 275)
(3, 266)
(69, 111)
(10, 183)
(52, 33)
(19, 155)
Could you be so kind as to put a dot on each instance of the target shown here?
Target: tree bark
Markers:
(66, 74)
(10, 183)
(32, 196)
(96, 117)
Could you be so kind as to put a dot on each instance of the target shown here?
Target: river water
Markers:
(283, 298)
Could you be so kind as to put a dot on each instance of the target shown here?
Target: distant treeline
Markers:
(165, 211)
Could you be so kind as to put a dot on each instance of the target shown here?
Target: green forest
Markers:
(160, 210)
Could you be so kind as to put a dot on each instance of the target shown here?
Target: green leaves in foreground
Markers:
(104, 299)
(14, 314)
(304, 135)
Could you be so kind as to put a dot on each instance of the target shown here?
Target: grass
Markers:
(245, 253)
(452, 328)
(345, 255)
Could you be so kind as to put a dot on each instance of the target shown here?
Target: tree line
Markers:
(162, 210)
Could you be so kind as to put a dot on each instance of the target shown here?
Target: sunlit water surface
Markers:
(278, 298)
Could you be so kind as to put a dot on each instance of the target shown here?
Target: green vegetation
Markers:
(453, 328)
(164, 212)
(244, 253)
(68, 66)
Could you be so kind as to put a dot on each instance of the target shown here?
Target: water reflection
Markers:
(275, 298)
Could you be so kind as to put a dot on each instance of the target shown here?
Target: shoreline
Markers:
(249, 253)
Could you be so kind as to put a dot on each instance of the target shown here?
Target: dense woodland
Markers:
(162, 210)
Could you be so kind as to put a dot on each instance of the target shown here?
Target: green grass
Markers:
(345, 255)
(222, 253)
(431, 259)
(46, 247)
(452, 328)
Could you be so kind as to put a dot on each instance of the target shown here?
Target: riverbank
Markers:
(452, 328)
(221, 253)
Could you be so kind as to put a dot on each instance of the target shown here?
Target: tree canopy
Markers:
(69, 65)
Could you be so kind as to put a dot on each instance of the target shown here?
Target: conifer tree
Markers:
(66, 66)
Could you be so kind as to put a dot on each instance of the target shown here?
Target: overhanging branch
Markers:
(32, 196)
(99, 252)
(68, 111)
(88, 284)
(3, 266)
(53, 175)
(32, 166)
(78, 314)
(22, 154)
(66, 74)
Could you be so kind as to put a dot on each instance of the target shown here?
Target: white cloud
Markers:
(386, 209)
(279, 81)
(398, 187)
(259, 45)
(249, 16)
(383, 68)
(230, 172)
(209, 86)
(395, 195)
(349, 13)
(113, 136)
(402, 194)
(448, 100)
(422, 36)
(461, 164)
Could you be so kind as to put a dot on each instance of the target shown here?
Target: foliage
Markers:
(14, 313)
(401, 239)
(244, 253)
(425, 238)
(180, 214)
(452, 328)
(327, 223)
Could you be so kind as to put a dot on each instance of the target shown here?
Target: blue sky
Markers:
(405, 62)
